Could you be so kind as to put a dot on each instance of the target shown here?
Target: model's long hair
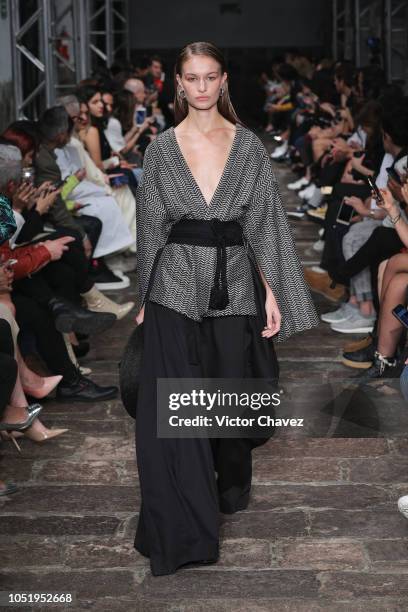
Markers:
(224, 103)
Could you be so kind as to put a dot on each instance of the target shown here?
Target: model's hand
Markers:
(139, 318)
(273, 316)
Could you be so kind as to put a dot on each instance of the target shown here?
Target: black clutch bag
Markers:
(129, 370)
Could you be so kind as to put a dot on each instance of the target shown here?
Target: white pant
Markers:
(115, 235)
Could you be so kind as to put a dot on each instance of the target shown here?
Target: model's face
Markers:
(107, 99)
(201, 80)
(95, 105)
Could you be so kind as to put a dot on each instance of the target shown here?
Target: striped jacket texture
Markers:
(248, 193)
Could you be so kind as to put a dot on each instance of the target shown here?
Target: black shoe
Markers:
(383, 367)
(82, 337)
(83, 389)
(9, 489)
(360, 359)
(81, 349)
(104, 279)
(68, 317)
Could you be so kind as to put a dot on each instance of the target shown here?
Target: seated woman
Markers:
(95, 177)
(96, 142)
(382, 351)
(16, 377)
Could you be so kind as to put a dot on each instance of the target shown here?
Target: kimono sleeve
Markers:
(266, 227)
(151, 222)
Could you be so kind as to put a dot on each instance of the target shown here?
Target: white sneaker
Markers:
(339, 315)
(119, 262)
(302, 182)
(403, 505)
(319, 270)
(279, 151)
(307, 193)
(354, 324)
(318, 246)
(295, 214)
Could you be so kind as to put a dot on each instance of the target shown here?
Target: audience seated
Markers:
(341, 142)
(68, 233)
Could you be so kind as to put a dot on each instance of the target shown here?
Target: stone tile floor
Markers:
(322, 533)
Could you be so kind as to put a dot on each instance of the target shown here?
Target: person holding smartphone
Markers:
(372, 240)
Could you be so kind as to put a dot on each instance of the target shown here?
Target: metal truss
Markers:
(355, 22)
(342, 29)
(56, 43)
(108, 29)
(396, 37)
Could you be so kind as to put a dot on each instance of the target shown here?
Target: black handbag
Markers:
(129, 366)
(129, 370)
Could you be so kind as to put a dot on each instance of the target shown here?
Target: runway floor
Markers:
(322, 532)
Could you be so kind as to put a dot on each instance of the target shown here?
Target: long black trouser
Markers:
(334, 232)
(92, 227)
(50, 344)
(8, 365)
(383, 243)
(75, 258)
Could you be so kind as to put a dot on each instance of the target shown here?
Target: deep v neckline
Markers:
(190, 175)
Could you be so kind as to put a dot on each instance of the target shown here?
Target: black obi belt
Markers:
(211, 233)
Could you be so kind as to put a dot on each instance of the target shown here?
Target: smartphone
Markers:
(28, 174)
(58, 184)
(401, 313)
(140, 116)
(346, 212)
(394, 175)
(377, 193)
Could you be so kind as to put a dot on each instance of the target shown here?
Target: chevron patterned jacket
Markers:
(248, 193)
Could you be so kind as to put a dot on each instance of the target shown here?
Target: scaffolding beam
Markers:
(385, 20)
(93, 31)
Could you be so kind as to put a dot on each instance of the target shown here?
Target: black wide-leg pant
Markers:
(186, 482)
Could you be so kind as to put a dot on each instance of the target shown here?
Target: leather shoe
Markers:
(83, 389)
(361, 359)
(320, 283)
(71, 318)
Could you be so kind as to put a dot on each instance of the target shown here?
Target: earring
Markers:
(221, 91)
(182, 93)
